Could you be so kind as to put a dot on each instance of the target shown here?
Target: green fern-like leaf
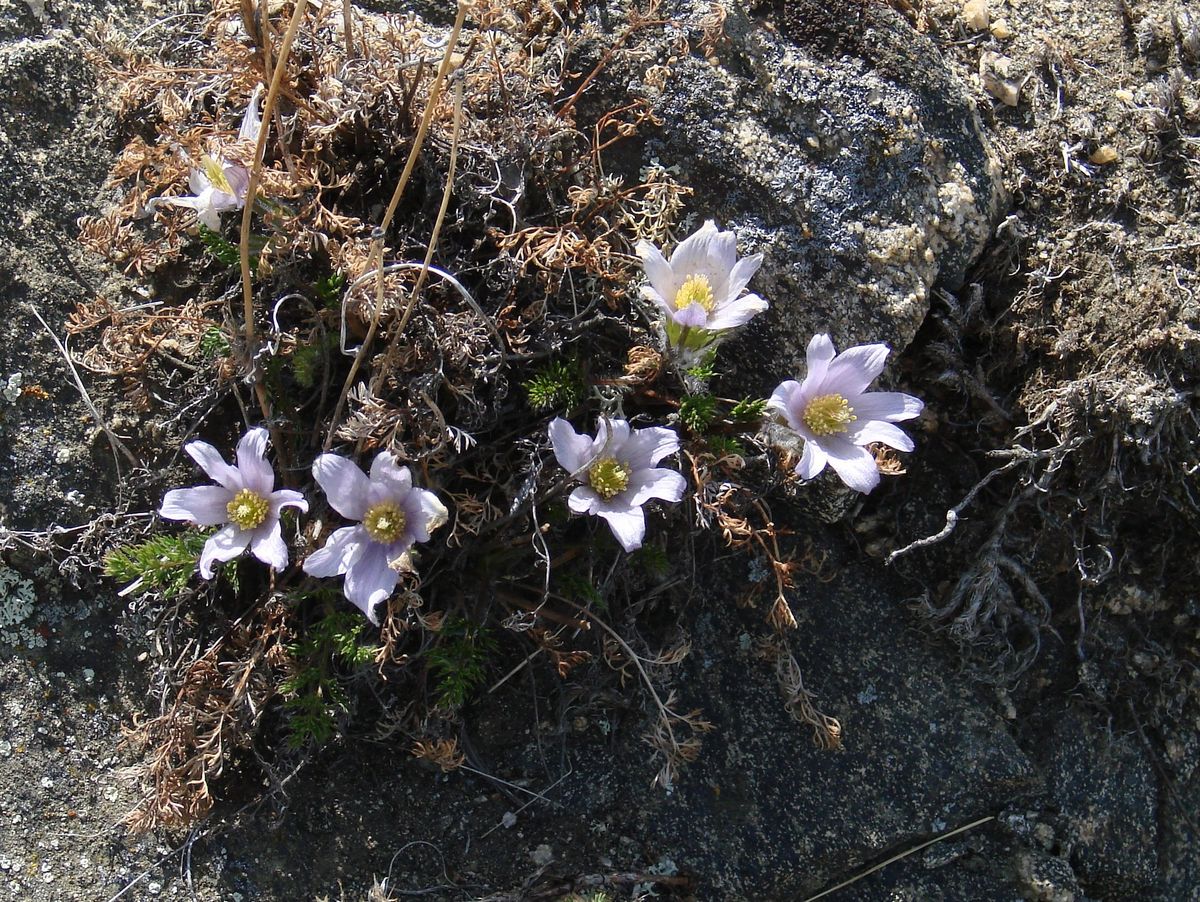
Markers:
(697, 411)
(213, 343)
(163, 563)
(458, 661)
(706, 369)
(329, 289)
(724, 446)
(558, 384)
(749, 410)
(229, 254)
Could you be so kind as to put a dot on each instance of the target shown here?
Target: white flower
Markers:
(219, 186)
(392, 515)
(700, 290)
(619, 473)
(243, 500)
(836, 416)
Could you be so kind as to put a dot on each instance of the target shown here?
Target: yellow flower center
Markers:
(385, 522)
(828, 414)
(215, 173)
(608, 477)
(247, 509)
(695, 290)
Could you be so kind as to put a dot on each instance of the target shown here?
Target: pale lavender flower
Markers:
(618, 471)
(218, 185)
(243, 500)
(836, 416)
(700, 289)
(392, 514)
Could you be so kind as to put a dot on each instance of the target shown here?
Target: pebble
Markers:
(975, 15)
(1104, 155)
(1000, 30)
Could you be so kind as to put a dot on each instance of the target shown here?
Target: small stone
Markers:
(542, 855)
(1000, 30)
(975, 15)
(509, 820)
(1104, 155)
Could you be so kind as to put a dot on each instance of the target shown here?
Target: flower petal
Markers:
(629, 526)
(238, 177)
(341, 550)
(820, 354)
(659, 482)
(369, 580)
(693, 315)
(646, 447)
(572, 450)
(736, 313)
(211, 462)
(741, 274)
(205, 505)
(389, 480)
(287, 498)
(345, 485)
(651, 294)
(662, 278)
(854, 465)
(583, 500)
(892, 406)
(223, 545)
(424, 513)
(863, 432)
(252, 120)
(611, 437)
(855, 368)
(812, 461)
(257, 474)
(693, 253)
(786, 401)
(266, 544)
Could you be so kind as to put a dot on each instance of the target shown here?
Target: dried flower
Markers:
(243, 500)
(837, 417)
(219, 186)
(618, 471)
(698, 290)
(392, 514)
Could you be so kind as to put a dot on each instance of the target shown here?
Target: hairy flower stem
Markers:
(375, 260)
(268, 110)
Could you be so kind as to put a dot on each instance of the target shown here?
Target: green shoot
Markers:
(163, 563)
(697, 411)
(749, 409)
(457, 662)
(558, 384)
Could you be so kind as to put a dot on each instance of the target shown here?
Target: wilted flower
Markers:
(392, 514)
(243, 499)
(698, 290)
(618, 471)
(219, 186)
(836, 416)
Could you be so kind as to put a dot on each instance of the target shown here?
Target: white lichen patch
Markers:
(17, 602)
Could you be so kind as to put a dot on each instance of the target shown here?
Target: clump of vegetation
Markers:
(373, 287)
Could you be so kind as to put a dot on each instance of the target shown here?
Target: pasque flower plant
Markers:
(699, 290)
(243, 501)
(618, 473)
(392, 515)
(837, 417)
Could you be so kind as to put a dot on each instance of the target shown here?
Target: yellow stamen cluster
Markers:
(215, 173)
(385, 522)
(247, 509)
(695, 290)
(608, 477)
(828, 414)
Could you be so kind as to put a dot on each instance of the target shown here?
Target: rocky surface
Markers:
(897, 192)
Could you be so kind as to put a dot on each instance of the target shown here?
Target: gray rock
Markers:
(863, 179)
(1107, 792)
